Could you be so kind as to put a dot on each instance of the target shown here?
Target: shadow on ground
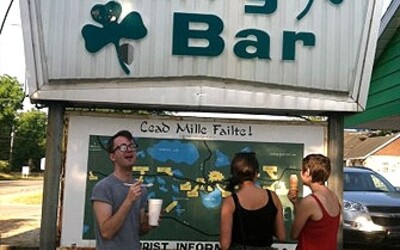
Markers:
(19, 234)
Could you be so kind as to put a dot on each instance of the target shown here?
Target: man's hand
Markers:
(144, 223)
(135, 191)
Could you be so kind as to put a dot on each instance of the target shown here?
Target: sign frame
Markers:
(80, 126)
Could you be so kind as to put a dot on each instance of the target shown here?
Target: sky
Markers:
(12, 58)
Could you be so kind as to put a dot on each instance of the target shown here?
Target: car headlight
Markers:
(352, 206)
(356, 216)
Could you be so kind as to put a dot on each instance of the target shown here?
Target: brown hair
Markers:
(123, 133)
(319, 167)
(244, 167)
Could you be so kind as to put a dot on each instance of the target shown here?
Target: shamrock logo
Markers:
(308, 7)
(131, 27)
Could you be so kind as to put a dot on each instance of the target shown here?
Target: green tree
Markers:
(29, 140)
(11, 99)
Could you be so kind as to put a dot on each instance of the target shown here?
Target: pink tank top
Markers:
(321, 234)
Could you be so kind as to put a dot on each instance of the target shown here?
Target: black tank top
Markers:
(254, 227)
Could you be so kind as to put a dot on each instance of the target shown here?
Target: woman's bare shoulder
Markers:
(228, 201)
(309, 201)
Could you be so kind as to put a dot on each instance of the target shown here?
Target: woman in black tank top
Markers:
(251, 216)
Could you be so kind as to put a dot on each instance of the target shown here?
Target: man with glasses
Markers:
(119, 200)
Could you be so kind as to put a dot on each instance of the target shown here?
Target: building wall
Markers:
(387, 166)
(383, 97)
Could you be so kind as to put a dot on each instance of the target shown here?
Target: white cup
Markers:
(154, 211)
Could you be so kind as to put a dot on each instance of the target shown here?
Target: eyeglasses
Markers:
(124, 147)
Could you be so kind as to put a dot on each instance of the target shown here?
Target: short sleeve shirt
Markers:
(111, 190)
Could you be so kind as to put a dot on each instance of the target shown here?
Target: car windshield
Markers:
(366, 181)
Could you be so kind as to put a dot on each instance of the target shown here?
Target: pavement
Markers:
(19, 220)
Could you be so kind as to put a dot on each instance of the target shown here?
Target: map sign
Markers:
(190, 176)
(187, 162)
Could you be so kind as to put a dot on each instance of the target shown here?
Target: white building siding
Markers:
(387, 166)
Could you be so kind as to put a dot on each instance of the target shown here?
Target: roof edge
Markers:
(388, 24)
(388, 16)
(395, 137)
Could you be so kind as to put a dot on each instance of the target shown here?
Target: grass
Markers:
(18, 176)
(5, 176)
(29, 199)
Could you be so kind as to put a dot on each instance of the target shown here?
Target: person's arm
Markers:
(303, 209)
(280, 233)
(108, 223)
(226, 223)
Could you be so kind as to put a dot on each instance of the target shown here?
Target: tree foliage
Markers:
(11, 99)
(30, 140)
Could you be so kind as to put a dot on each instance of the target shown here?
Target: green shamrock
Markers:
(107, 15)
(310, 3)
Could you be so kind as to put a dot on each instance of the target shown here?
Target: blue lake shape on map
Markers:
(141, 154)
(86, 228)
(149, 180)
(151, 194)
(175, 188)
(179, 210)
(163, 189)
(211, 200)
(104, 141)
(177, 173)
(222, 159)
(161, 181)
(175, 151)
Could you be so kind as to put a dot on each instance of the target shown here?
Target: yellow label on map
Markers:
(93, 177)
(194, 192)
(201, 180)
(166, 170)
(171, 206)
(271, 171)
(186, 186)
(141, 169)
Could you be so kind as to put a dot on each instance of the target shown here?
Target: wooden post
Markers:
(54, 136)
(335, 153)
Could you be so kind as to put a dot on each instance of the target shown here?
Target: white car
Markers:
(371, 209)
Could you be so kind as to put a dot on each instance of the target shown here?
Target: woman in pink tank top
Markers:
(317, 216)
